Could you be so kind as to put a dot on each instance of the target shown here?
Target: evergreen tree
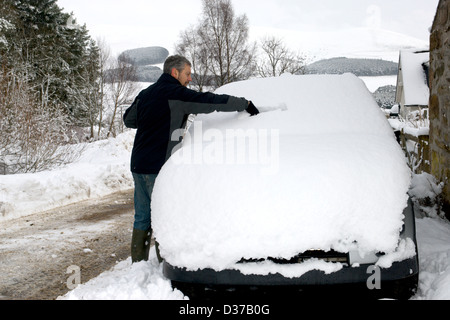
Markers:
(88, 91)
(51, 50)
(49, 81)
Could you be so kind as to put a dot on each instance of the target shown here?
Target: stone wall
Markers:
(440, 99)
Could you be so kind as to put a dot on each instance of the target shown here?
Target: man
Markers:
(156, 113)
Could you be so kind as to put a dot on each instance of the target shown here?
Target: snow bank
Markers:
(424, 185)
(433, 236)
(103, 168)
(127, 281)
(321, 169)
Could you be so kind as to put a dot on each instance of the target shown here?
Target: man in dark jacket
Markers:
(156, 113)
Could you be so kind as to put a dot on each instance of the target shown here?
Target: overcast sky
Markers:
(140, 23)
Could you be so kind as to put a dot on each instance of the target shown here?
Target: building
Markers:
(412, 95)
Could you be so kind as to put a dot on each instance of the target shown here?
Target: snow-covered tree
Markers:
(47, 45)
(49, 73)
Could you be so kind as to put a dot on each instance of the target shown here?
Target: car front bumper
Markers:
(400, 280)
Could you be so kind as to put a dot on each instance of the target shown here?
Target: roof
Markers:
(415, 83)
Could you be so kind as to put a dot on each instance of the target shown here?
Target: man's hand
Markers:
(252, 109)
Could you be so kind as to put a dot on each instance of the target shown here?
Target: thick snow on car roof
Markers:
(318, 168)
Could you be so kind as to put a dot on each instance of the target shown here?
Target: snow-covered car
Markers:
(309, 193)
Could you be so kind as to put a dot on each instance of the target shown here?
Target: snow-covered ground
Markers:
(104, 168)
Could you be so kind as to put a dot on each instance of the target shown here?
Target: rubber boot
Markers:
(140, 245)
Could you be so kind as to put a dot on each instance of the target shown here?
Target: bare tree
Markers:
(122, 88)
(219, 44)
(278, 59)
(34, 136)
(225, 37)
(191, 47)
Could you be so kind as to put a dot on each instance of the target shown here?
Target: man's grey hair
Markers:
(178, 62)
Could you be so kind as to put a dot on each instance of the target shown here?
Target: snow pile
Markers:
(320, 168)
(433, 236)
(102, 169)
(425, 190)
(415, 130)
(126, 281)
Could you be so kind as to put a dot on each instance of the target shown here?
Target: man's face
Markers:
(184, 76)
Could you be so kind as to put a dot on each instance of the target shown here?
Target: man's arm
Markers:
(130, 116)
(192, 102)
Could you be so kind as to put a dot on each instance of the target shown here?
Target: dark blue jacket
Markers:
(163, 108)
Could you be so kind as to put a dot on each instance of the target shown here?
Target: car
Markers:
(310, 194)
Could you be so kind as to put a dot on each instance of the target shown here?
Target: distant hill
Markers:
(385, 96)
(359, 67)
(146, 56)
(148, 73)
(145, 61)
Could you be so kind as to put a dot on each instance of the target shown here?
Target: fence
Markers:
(417, 151)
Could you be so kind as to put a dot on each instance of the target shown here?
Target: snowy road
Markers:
(37, 251)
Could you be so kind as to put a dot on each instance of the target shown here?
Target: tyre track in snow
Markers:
(37, 251)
